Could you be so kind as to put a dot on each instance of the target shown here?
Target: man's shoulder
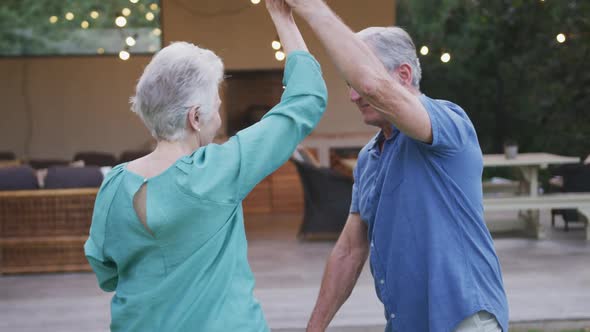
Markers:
(445, 105)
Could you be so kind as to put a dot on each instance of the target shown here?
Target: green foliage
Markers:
(25, 28)
(507, 69)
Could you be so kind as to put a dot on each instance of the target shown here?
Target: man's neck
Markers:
(387, 131)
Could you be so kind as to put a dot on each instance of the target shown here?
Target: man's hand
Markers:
(342, 271)
(303, 7)
(282, 17)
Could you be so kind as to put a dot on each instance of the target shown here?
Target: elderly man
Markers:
(417, 208)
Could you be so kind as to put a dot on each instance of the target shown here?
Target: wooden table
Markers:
(323, 143)
(529, 165)
(528, 204)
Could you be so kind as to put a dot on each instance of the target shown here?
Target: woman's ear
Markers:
(193, 118)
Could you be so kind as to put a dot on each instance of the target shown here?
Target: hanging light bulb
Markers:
(276, 45)
(130, 41)
(94, 14)
(69, 16)
(53, 19)
(120, 21)
(560, 38)
(157, 32)
(134, 1)
(126, 11)
(424, 50)
(445, 57)
(280, 55)
(255, 2)
(84, 24)
(154, 6)
(150, 16)
(100, 50)
(124, 55)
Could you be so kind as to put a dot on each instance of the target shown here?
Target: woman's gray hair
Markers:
(179, 77)
(394, 47)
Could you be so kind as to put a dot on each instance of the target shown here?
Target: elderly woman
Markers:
(167, 233)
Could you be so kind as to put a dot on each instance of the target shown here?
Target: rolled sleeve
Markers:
(268, 144)
(354, 203)
(105, 270)
(451, 128)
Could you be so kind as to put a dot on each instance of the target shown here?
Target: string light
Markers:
(84, 24)
(120, 21)
(424, 50)
(157, 32)
(280, 55)
(94, 14)
(69, 16)
(130, 41)
(149, 16)
(53, 19)
(445, 57)
(126, 11)
(134, 1)
(276, 45)
(560, 38)
(100, 50)
(124, 55)
(154, 6)
(255, 2)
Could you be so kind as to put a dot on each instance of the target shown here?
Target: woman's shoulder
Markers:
(211, 172)
(110, 182)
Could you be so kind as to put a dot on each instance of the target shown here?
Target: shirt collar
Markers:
(380, 137)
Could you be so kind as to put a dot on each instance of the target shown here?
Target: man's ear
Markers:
(404, 72)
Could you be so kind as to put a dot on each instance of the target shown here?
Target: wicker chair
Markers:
(132, 155)
(44, 230)
(46, 163)
(17, 178)
(576, 178)
(62, 177)
(96, 158)
(7, 155)
(327, 196)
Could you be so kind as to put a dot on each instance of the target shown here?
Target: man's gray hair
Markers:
(394, 47)
(179, 77)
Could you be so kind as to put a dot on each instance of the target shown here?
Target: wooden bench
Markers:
(580, 201)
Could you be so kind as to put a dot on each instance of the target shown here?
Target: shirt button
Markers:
(392, 316)
(381, 281)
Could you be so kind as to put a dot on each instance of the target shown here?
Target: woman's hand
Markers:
(279, 9)
(282, 17)
(302, 7)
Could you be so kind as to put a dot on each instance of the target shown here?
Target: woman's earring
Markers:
(198, 129)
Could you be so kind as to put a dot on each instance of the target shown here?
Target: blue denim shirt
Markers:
(432, 256)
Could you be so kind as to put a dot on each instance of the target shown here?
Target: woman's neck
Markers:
(166, 150)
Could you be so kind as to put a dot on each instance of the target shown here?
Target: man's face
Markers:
(370, 115)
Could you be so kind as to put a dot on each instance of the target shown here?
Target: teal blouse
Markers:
(193, 274)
